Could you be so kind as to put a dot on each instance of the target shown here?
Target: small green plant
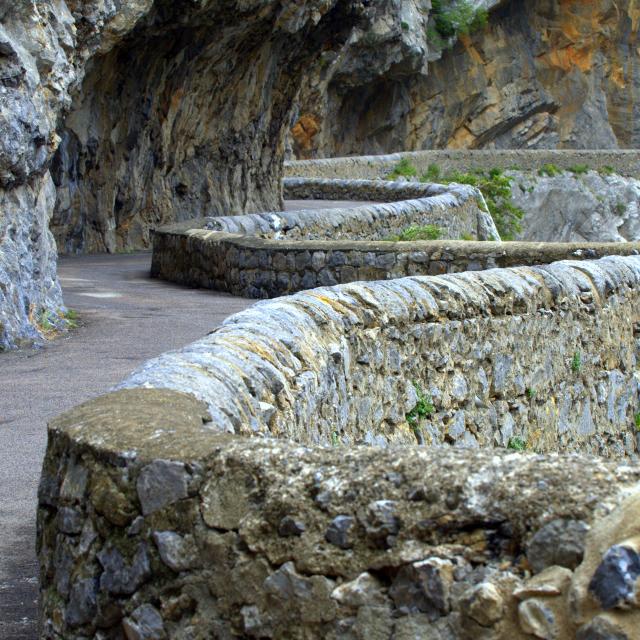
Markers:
(467, 236)
(404, 169)
(531, 393)
(550, 170)
(71, 316)
(414, 233)
(579, 169)
(517, 444)
(404, 25)
(436, 40)
(607, 170)
(423, 409)
(46, 321)
(576, 362)
(432, 174)
(334, 439)
(324, 61)
(636, 419)
(620, 208)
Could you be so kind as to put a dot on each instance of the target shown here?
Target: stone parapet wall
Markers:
(545, 353)
(455, 209)
(166, 512)
(258, 268)
(626, 163)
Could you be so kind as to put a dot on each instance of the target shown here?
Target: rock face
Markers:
(542, 74)
(174, 108)
(571, 207)
(186, 116)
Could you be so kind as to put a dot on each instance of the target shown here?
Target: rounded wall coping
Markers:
(259, 354)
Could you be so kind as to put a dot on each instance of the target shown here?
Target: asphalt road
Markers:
(125, 319)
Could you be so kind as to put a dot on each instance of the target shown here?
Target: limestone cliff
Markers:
(171, 109)
(577, 207)
(541, 74)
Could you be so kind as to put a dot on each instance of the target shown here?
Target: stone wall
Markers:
(271, 254)
(457, 210)
(257, 268)
(625, 163)
(166, 512)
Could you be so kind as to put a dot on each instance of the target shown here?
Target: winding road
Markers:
(125, 319)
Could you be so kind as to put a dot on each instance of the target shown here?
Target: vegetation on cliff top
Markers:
(451, 19)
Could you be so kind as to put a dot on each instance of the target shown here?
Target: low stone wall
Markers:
(456, 209)
(256, 268)
(219, 492)
(626, 163)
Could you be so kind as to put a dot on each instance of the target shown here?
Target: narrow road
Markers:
(125, 319)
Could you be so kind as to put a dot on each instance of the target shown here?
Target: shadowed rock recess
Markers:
(221, 491)
(154, 110)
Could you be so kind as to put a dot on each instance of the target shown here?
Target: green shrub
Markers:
(71, 316)
(517, 444)
(607, 170)
(404, 25)
(636, 419)
(46, 321)
(456, 18)
(550, 170)
(424, 232)
(467, 236)
(620, 208)
(404, 168)
(494, 186)
(496, 189)
(432, 174)
(579, 169)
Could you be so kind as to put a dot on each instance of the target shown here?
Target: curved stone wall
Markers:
(250, 266)
(168, 508)
(455, 209)
(270, 254)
